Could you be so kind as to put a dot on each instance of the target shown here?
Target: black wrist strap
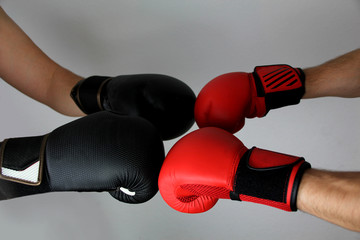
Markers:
(281, 85)
(86, 94)
(267, 183)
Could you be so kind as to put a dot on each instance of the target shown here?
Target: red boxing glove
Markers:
(228, 99)
(211, 163)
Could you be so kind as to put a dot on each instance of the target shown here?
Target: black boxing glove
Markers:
(166, 102)
(100, 152)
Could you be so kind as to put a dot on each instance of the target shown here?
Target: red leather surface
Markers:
(202, 162)
(226, 100)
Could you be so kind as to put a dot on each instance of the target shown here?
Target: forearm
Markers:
(339, 77)
(332, 196)
(24, 66)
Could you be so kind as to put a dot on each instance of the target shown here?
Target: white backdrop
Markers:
(193, 41)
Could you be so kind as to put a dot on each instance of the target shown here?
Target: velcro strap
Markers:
(21, 159)
(281, 85)
(86, 94)
(275, 180)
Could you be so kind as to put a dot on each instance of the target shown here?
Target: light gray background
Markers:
(193, 41)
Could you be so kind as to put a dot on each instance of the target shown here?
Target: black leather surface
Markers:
(105, 151)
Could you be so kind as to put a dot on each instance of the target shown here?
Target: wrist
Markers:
(57, 95)
(331, 196)
(316, 85)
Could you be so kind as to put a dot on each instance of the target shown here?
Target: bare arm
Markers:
(332, 196)
(339, 77)
(24, 66)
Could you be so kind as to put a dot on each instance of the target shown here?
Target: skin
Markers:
(27, 68)
(332, 196)
(339, 77)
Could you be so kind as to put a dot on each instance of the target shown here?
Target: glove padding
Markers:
(166, 102)
(211, 163)
(228, 99)
(100, 152)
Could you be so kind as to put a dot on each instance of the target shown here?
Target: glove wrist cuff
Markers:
(87, 94)
(269, 178)
(280, 85)
(22, 160)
